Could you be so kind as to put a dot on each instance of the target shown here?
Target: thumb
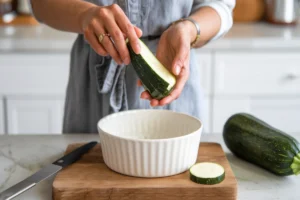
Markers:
(179, 60)
(138, 31)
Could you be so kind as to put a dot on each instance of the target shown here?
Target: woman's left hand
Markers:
(173, 52)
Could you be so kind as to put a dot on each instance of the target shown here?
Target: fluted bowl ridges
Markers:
(149, 143)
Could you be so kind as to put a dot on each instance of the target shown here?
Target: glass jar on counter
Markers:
(23, 7)
(7, 13)
(283, 12)
(6, 6)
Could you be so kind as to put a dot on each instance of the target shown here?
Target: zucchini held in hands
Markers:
(156, 79)
(255, 141)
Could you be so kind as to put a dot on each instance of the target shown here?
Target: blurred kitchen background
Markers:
(255, 68)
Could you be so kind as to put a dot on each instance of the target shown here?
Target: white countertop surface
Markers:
(20, 156)
(241, 36)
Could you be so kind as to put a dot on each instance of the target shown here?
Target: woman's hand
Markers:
(113, 21)
(173, 52)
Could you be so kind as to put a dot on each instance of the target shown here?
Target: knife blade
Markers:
(46, 172)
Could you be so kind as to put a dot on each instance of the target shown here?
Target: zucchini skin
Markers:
(207, 181)
(156, 86)
(255, 141)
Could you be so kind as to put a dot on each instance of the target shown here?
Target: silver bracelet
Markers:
(197, 28)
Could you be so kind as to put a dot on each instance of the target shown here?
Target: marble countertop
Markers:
(241, 36)
(20, 156)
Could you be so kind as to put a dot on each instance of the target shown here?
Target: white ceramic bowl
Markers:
(149, 143)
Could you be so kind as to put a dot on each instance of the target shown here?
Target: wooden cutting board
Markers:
(91, 179)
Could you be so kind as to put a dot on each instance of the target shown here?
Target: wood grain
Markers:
(249, 10)
(91, 179)
(20, 20)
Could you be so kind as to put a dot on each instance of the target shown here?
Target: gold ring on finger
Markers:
(101, 37)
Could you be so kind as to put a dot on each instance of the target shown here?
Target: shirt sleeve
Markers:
(224, 8)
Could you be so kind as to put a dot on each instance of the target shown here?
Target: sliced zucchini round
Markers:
(207, 173)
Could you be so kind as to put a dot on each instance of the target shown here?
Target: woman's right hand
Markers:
(113, 21)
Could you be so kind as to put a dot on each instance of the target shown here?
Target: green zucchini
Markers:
(207, 173)
(156, 79)
(257, 142)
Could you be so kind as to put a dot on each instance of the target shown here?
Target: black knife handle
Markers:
(74, 155)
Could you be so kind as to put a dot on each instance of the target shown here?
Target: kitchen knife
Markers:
(46, 172)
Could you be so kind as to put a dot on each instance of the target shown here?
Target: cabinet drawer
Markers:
(257, 73)
(280, 113)
(35, 115)
(33, 73)
(1, 116)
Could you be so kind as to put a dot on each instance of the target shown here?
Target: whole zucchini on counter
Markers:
(255, 141)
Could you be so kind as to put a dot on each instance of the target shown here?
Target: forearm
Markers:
(64, 15)
(214, 18)
(209, 22)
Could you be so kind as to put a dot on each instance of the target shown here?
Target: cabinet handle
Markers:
(292, 76)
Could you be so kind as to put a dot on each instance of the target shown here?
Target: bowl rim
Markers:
(149, 140)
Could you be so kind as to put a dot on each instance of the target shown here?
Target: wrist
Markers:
(191, 30)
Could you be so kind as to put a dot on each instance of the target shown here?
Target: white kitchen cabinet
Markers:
(36, 73)
(206, 119)
(35, 115)
(253, 73)
(34, 85)
(204, 61)
(1, 116)
(282, 113)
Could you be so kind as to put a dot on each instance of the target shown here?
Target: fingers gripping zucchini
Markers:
(156, 79)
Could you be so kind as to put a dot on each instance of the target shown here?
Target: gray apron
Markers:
(98, 86)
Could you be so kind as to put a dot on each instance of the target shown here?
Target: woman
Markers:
(101, 79)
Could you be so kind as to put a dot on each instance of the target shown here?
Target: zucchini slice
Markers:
(156, 79)
(207, 173)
